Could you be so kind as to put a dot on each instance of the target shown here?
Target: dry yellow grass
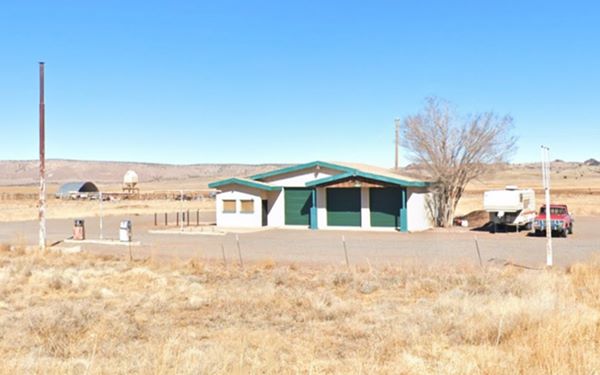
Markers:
(85, 314)
(16, 210)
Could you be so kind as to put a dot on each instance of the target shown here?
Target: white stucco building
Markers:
(321, 195)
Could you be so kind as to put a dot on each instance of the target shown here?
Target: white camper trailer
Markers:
(510, 207)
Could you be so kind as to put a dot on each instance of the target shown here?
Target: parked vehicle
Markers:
(511, 207)
(561, 220)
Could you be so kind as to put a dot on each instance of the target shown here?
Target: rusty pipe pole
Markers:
(42, 203)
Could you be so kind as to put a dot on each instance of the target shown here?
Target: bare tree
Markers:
(454, 150)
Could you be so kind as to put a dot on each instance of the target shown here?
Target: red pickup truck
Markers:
(561, 220)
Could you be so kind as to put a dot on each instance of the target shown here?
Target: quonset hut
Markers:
(76, 190)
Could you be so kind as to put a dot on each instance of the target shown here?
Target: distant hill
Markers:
(25, 172)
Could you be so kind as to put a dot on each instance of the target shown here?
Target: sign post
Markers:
(546, 181)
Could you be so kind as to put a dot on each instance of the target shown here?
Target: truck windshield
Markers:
(554, 211)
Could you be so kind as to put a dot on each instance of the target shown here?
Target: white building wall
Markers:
(365, 208)
(419, 215)
(276, 217)
(238, 219)
(321, 208)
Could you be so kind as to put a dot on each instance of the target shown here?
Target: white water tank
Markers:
(130, 178)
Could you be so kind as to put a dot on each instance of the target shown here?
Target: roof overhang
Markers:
(368, 176)
(243, 182)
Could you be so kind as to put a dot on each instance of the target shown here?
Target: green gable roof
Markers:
(243, 182)
(367, 175)
(348, 171)
(300, 167)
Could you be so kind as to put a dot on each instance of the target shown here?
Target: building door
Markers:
(343, 207)
(385, 205)
(265, 212)
(298, 202)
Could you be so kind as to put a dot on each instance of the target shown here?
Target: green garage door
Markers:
(343, 207)
(385, 206)
(297, 206)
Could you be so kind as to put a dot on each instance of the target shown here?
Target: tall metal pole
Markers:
(546, 178)
(397, 142)
(42, 203)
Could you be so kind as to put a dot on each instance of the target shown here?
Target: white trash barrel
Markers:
(125, 231)
(79, 230)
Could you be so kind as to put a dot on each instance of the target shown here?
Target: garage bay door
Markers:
(298, 202)
(343, 207)
(385, 207)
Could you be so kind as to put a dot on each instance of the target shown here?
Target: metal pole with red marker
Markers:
(42, 202)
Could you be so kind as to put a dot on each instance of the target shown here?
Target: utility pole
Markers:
(546, 180)
(42, 203)
(397, 142)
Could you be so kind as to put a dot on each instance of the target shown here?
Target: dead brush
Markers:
(268, 264)
(196, 317)
(59, 329)
(195, 267)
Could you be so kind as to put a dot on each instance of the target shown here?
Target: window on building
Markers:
(228, 206)
(247, 206)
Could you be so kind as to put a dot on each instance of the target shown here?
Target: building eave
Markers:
(299, 167)
(371, 176)
(243, 182)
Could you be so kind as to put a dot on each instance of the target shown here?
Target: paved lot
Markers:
(325, 247)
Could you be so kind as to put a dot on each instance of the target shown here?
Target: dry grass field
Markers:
(83, 314)
(17, 210)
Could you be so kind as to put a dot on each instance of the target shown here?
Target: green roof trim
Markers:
(243, 182)
(300, 167)
(371, 176)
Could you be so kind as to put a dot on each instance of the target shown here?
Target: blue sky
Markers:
(290, 81)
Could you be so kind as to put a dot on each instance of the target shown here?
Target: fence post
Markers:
(187, 216)
(177, 219)
(197, 217)
(166, 220)
(155, 219)
(345, 251)
(478, 252)
(237, 240)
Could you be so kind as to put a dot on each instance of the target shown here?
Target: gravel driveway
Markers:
(456, 246)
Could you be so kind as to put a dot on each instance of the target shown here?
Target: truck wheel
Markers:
(565, 233)
(571, 229)
(538, 233)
